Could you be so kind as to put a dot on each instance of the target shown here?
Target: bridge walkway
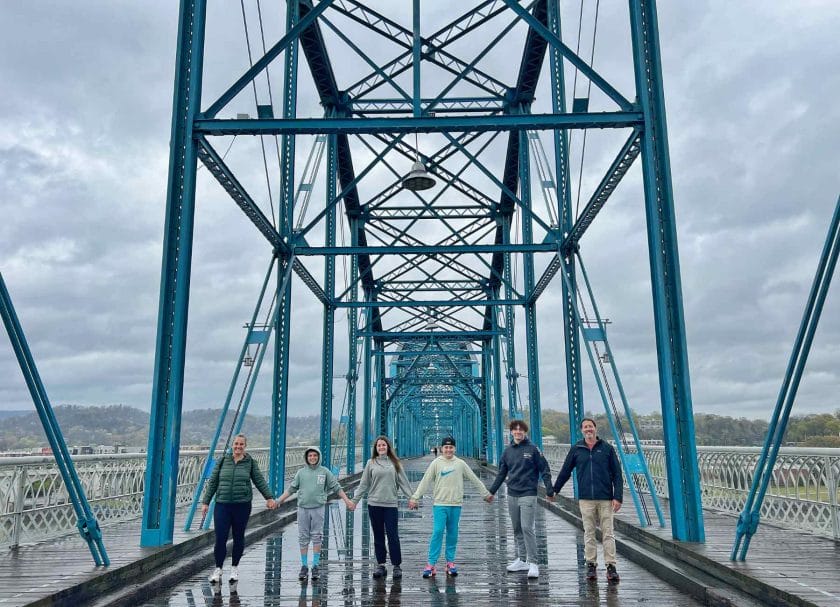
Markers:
(789, 567)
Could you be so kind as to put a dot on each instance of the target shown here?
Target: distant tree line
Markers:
(812, 430)
(127, 426)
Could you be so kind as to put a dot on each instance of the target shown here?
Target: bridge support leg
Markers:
(168, 383)
(280, 389)
(329, 310)
(674, 385)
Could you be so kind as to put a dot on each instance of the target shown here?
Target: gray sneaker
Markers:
(304, 573)
(397, 573)
(315, 572)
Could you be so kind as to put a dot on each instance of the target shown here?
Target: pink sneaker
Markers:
(429, 571)
(451, 569)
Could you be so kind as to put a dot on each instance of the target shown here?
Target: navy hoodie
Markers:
(523, 465)
(598, 471)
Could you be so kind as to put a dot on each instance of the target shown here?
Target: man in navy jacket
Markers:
(523, 465)
(600, 491)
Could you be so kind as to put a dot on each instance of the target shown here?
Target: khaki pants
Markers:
(597, 513)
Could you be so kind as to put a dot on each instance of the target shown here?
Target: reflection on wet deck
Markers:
(268, 571)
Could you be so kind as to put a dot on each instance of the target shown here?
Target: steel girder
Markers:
(446, 267)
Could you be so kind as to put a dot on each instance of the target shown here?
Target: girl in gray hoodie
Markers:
(382, 477)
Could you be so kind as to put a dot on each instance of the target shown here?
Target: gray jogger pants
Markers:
(522, 511)
(310, 525)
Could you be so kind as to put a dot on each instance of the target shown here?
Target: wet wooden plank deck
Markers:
(485, 547)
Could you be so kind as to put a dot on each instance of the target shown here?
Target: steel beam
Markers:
(159, 496)
(674, 386)
(398, 125)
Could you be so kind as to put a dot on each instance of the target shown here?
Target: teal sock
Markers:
(303, 559)
(316, 559)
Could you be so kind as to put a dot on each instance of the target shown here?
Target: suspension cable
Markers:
(256, 103)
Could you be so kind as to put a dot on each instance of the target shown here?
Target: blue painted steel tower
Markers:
(431, 169)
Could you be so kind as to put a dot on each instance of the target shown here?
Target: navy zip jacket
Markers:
(523, 465)
(598, 471)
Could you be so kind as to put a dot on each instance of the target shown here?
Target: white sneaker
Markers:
(216, 576)
(234, 575)
(517, 565)
(533, 570)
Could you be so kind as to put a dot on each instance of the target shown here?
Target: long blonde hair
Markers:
(390, 453)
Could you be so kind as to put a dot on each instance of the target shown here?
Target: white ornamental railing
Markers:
(802, 494)
(34, 505)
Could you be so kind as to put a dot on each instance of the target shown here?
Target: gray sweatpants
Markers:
(310, 525)
(522, 511)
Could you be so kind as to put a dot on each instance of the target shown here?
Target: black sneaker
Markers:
(612, 574)
(304, 573)
(380, 571)
(397, 573)
(315, 572)
(592, 571)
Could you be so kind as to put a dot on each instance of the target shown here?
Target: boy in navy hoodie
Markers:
(522, 466)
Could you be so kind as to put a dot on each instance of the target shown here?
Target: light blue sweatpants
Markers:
(445, 518)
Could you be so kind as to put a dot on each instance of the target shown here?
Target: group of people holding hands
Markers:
(522, 467)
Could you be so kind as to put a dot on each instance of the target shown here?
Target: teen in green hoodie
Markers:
(382, 477)
(446, 474)
(313, 483)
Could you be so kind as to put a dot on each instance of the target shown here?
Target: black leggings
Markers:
(383, 520)
(226, 517)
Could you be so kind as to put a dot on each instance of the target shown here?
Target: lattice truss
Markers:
(474, 91)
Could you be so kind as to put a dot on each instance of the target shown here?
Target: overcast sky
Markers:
(754, 127)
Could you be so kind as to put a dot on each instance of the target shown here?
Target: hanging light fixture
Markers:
(418, 179)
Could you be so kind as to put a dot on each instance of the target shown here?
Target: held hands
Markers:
(350, 505)
(270, 504)
(616, 505)
(412, 505)
(488, 498)
(551, 498)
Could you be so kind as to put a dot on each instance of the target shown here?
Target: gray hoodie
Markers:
(380, 481)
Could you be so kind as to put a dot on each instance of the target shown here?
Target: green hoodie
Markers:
(446, 477)
(380, 482)
(313, 483)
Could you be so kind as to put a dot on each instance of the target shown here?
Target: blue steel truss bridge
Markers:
(427, 172)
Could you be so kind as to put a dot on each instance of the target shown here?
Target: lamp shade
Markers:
(418, 179)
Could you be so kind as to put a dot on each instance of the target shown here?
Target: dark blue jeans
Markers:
(226, 517)
(383, 521)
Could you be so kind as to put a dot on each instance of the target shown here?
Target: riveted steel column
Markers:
(329, 310)
(574, 386)
(280, 395)
(168, 385)
(499, 438)
(352, 373)
(531, 343)
(675, 388)
(367, 408)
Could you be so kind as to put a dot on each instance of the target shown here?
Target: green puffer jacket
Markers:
(231, 482)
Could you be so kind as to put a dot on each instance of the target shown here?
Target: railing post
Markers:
(831, 480)
(18, 507)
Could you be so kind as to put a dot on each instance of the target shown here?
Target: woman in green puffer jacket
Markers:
(231, 484)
